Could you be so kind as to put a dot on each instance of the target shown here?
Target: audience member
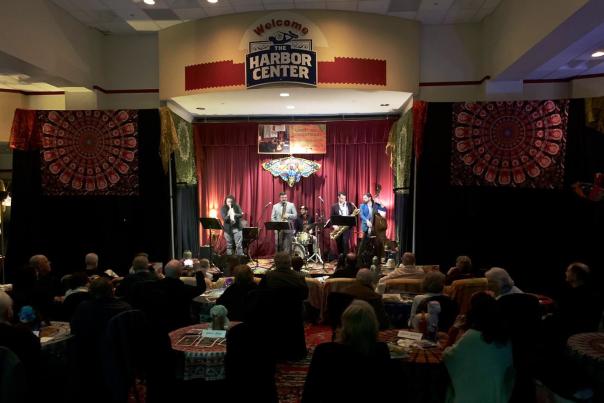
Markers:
(284, 278)
(18, 339)
(484, 353)
(140, 273)
(234, 297)
(407, 269)
(463, 269)
(350, 268)
(92, 265)
(297, 263)
(356, 358)
(362, 289)
(500, 282)
(76, 294)
(432, 285)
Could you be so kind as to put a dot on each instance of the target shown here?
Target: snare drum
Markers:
(303, 238)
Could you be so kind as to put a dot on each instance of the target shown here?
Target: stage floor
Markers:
(313, 268)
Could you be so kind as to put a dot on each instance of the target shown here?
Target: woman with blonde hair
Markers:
(356, 358)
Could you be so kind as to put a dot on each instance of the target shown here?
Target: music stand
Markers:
(211, 224)
(277, 226)
(249, 235)
(342, 220)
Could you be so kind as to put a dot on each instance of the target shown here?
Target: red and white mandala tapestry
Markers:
(89, 152)
(513, 143)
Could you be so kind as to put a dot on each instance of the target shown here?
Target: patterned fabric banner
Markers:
(89, 153)
(184, 154)
(399, 149)
(513, 143)
(168, 141)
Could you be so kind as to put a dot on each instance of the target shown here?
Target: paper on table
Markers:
(45, 339)
(409, 335)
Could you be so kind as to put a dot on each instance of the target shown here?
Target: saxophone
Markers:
(336, 233)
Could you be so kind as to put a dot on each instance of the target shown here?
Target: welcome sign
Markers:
(282, 55)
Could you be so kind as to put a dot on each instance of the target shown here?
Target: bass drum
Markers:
(299, 250)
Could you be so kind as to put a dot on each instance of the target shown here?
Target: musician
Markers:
(342, 208)
(368, 210)
(304, 221)
(231, 216)
(284, 211)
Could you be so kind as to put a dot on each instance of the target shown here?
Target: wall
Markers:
(347, 34)
(40, 33)
(9, 101)
(517, 25)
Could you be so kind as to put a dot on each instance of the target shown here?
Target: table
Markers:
(588, 351)
(425, 374)
(54, 338)
(200, 362)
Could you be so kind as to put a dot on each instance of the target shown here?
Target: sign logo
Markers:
(283, 57)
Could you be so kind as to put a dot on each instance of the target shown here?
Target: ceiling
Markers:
(306, 101)
(128, 16)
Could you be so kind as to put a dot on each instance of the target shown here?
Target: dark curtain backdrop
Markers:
(66, 228)
(534, 234)
(228, 163)
(186, 219)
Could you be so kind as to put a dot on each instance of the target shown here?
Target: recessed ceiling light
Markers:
(384, 104)
(284, 94)
(149, 2)
(290, 107)
(213, 1)
(201, 109)
(599, 53)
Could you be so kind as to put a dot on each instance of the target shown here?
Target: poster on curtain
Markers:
(292, 139)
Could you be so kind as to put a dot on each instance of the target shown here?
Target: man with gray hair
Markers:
(363, 289)
(500, 282)
(141, 273)
(20, 341)
(173, 311)
(92, 264)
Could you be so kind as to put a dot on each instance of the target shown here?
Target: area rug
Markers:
(291, 375)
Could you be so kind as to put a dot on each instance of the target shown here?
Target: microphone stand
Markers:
(259, 229)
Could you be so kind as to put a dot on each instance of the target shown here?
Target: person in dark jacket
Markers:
(234, 297)
(363, 289)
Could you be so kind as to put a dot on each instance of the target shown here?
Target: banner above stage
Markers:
(292, 139)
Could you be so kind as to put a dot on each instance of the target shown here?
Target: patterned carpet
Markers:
(291, 375)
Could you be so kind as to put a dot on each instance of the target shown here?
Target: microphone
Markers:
(320, 198)
(268, 204)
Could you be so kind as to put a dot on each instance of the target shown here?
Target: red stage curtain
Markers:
(228, 163)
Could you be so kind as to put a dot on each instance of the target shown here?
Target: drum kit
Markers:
(302, 243)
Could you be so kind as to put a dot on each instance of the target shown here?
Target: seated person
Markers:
(350, 268)
(432, 285)
(140, 273)
(234, 297)
(362, 289)
(356, 358)
(407, 269)
(462, 270)
(500, 283)
(483, 353)
(18, 339)
(77, 293)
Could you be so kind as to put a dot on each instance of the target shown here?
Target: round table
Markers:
(54, 338)
(588, 350)
(200, 362)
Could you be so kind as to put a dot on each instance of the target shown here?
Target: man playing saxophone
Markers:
(284, 211)
(342, 234)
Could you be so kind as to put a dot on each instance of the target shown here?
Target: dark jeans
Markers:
(343, 242)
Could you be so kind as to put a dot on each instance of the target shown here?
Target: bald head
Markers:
(365, 277)
(6, 307)
(173, 269)
(92, 261)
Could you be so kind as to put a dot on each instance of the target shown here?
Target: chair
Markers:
(448, 311)
(12, 378)
(314, 292)
(461, 291)
(402, 285)
(242, 349)
(333, 285)
(337, 303)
